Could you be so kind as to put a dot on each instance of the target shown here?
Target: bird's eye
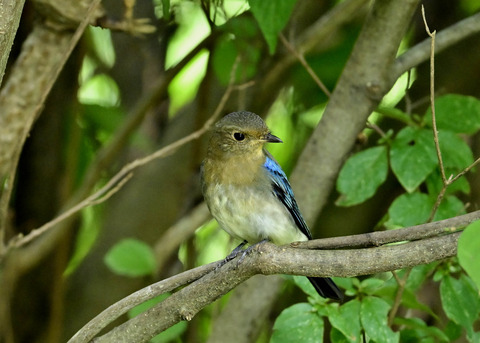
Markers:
(239, 136)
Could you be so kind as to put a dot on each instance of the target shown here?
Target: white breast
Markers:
(252, 214)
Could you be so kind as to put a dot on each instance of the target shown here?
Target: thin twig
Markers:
(445, 182)
(376, 128)
(408, 101)
(402, 282)
(305, 64)
(432, 95)
(438, 201)
(466, 170)
(113, 186)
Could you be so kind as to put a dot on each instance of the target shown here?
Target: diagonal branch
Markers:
(421, 52)
(270, 259)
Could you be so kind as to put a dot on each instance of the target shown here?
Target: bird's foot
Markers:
(249, 250)
(232, 255)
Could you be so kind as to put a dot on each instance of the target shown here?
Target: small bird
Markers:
(247, 191)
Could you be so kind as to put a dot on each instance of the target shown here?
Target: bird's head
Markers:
(240, 133)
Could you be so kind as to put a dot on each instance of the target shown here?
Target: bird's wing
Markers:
(283, 191)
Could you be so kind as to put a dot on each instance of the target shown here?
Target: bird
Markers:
(247, 191)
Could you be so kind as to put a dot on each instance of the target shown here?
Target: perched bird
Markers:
(247, 191)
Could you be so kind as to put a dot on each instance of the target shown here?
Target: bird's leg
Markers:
(249, 250)
(235, 251)
(232, 255)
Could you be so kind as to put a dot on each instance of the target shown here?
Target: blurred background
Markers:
(126, 93)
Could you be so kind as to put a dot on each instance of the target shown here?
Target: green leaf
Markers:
(413, 156)
(102, 118)
(453, 331)
(131, 257)
(272, 16)
(468, 245)
(450, 207)
(409, 300)
(434, 183)
(409, 209)
(346, 319)
(370, 285)
(166, 9)
(337, 336)
(226, 51)
(101, 90)
(85, 239)
(456, 154)
(457, 113)
(298, 323)
(373, 315)
(419, 274)
(416, 330)
(306, 286)
(460, 301)
(361, 175)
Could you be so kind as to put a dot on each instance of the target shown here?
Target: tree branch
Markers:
(43, 55)
(11, 13)
(444, 39)
(375, 239)
(269, 259)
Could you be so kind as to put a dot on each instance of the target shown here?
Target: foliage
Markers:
(131, 257)
(395, 167)
(413, 161)
(409, 154)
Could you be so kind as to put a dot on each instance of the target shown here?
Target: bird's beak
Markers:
(272, 139)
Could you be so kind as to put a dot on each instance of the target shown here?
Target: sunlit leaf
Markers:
(85, 239)
(272, 16)
(101, 90)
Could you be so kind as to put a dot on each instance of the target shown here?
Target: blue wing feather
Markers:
(283, 191)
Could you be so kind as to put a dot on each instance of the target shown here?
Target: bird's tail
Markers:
(326, 288)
